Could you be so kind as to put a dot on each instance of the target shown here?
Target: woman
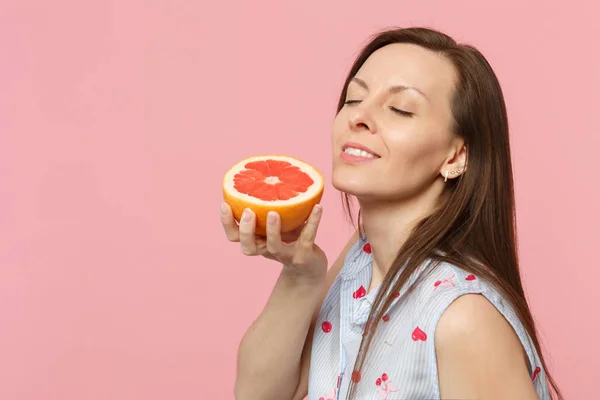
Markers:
(425, 301)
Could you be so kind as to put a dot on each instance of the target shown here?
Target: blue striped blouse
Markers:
(402, 363)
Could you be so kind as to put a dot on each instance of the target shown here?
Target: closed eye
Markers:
(394, 109)
(401, 112)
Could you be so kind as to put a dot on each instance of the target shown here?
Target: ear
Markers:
(456, 163)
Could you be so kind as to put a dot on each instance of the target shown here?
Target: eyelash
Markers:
(397, 111)
(401, 112)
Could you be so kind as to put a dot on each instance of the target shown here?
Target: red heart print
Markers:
(326, 326)
(418, 334)
(367, 248)
(471, 277)
(355, 376)
(386, 318)
(535, 373)
(396, 295)
(360, 292)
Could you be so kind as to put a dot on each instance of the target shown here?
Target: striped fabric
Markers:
(401, 363)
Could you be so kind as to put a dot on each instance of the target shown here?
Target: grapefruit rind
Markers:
(293, 212)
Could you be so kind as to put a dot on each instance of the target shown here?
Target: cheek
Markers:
(416, 151)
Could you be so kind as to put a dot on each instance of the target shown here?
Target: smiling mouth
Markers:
(359, 153)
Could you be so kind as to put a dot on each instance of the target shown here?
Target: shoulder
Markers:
(472, 316)
(479, 353)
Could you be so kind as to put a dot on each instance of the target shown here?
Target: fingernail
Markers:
(223, 208)
(318, 209)
(271, 218)
(247, 216)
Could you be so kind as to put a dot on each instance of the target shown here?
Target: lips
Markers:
(358, 146)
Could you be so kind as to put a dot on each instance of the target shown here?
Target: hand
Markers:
(295, 250)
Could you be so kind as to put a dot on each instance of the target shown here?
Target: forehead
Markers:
(410, 65)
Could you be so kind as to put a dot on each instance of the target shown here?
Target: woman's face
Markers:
(398, 113)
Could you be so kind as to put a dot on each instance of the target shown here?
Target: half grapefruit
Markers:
(284, 184)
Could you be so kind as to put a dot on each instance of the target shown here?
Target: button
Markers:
(365, 305)
(361, 311)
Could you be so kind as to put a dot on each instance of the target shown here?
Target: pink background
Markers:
(118, 119)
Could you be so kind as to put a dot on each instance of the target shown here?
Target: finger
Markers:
(247, 236)
(274, 243)
(261, 246)
(309, 233)
(229, 225)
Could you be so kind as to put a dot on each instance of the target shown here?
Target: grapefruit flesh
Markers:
(284, 184)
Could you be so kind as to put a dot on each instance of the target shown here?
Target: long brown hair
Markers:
(474, 227)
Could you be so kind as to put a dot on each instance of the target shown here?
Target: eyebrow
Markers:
(393, 89)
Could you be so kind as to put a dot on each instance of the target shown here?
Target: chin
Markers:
(350, 184)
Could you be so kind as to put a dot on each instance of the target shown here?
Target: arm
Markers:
(270, 352)
(274, 355)
(479, 355)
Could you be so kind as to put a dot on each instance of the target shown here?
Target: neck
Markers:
(388, 225)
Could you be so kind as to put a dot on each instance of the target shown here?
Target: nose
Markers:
(361, 120)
